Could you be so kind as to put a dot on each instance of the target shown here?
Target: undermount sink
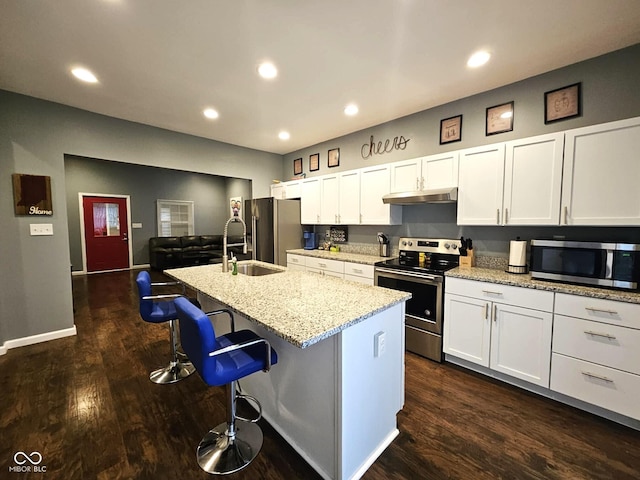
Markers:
(256, 270)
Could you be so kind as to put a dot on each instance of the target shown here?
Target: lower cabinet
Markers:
(354, 272)
(504, 328)
(596, 352)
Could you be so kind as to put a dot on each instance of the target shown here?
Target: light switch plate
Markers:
(41, 229)
(136, 225)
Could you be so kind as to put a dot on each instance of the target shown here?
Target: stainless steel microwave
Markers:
(615, 265)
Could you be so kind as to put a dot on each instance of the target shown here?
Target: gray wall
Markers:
(610, 91)
(145, 185)
(35, 136)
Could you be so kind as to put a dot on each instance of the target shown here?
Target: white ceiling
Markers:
(161, 62)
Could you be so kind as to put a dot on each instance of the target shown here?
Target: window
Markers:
(175, 218)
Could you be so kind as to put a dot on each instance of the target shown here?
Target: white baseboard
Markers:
(42, 337)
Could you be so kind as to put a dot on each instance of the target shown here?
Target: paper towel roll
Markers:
(518, 256)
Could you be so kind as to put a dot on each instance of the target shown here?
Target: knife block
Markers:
(468, 261)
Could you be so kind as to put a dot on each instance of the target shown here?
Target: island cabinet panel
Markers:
(335, 402)
(601, 172)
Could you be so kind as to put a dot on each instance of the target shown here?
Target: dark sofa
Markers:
(170, 252)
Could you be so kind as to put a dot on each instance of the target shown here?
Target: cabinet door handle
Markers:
(417, 183)
(421, 183)
(601, 310)
(497, 216)
(566, 214)
(495, 312)
(486, 311)
(599, 377)
(323, 265)
(506, 216)
(318, 218)
(492, 292)
(596, 334)
(357, 270)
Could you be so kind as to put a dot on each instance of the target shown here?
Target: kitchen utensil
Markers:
(463, 247)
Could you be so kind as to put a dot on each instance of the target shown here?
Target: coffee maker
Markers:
(310, 241)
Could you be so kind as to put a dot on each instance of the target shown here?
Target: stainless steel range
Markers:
(420, 270)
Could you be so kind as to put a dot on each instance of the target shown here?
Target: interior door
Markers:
(106, 233)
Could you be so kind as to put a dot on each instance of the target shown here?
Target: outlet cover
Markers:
(36, 229)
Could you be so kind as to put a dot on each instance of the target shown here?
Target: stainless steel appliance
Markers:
(615, 265)
(420, 270)
(273, 227)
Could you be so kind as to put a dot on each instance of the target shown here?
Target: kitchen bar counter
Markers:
(338, 386)
(302, 309)
(524, 280)
(341, 256)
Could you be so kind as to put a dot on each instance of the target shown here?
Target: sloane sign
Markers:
(378, 148)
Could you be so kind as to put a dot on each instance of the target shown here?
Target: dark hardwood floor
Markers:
(86, 404)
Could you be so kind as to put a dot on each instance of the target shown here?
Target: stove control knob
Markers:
(404, 243)
(447, 246)
(454, 246)
(411, 244)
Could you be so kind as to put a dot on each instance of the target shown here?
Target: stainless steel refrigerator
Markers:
(273, 227)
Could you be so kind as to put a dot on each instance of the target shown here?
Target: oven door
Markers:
(424, 309)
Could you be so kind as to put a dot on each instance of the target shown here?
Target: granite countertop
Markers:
(300, 307)
(524, 280)
(341, 256)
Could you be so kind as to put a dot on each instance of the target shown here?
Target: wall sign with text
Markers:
(32, 194)
(378, 148)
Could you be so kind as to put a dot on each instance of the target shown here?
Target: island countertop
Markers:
(300, 307)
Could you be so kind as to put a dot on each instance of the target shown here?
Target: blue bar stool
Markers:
(159, 309)
(232, 445)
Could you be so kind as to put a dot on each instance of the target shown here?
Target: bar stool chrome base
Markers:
(220, 454)
(175, 372)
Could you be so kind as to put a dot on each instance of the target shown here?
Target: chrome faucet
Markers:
(225, 256)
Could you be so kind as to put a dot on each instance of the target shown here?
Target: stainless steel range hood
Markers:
(439, 195)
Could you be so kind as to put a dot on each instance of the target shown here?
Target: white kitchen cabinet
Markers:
(278, 191)
(425, 173)
(513, 183)
(480, 185)
(331, 268)
(296, 262)
(292, 189)
(375, 182)
(533, 180)
(310, 201)
(357, 272)
(505, 328)
(329, 199)
(601, 173)
(349, 198)
(596, 352)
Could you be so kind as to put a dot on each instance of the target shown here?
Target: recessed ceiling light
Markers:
(284, 135)
(210, 113)
(351, 109)
(267, 70)
(84, 75)
(478, 59)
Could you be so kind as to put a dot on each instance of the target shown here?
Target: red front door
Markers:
(106, 233)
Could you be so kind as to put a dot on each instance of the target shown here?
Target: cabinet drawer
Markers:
(598, 309)
(606, 387)
(358, 279)
(495, 292)
(601, 343)
(329, 265)
(358, 270)
(293, 259)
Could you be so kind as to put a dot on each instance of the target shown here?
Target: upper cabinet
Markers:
(533, 180)
(286, 190)
(512, 183)
(601, 175)
(425, 173)
(310, 201)
(376, 182)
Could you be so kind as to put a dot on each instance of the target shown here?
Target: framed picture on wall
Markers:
(334, 157)
(32, 194)
(297, 166)
(499, 119)
(562, 103)
(314, 162)
(451, 129)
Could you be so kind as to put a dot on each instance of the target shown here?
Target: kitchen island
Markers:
(339, 382)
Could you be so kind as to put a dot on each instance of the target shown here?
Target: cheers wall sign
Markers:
(32, 194)
(378, 148)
